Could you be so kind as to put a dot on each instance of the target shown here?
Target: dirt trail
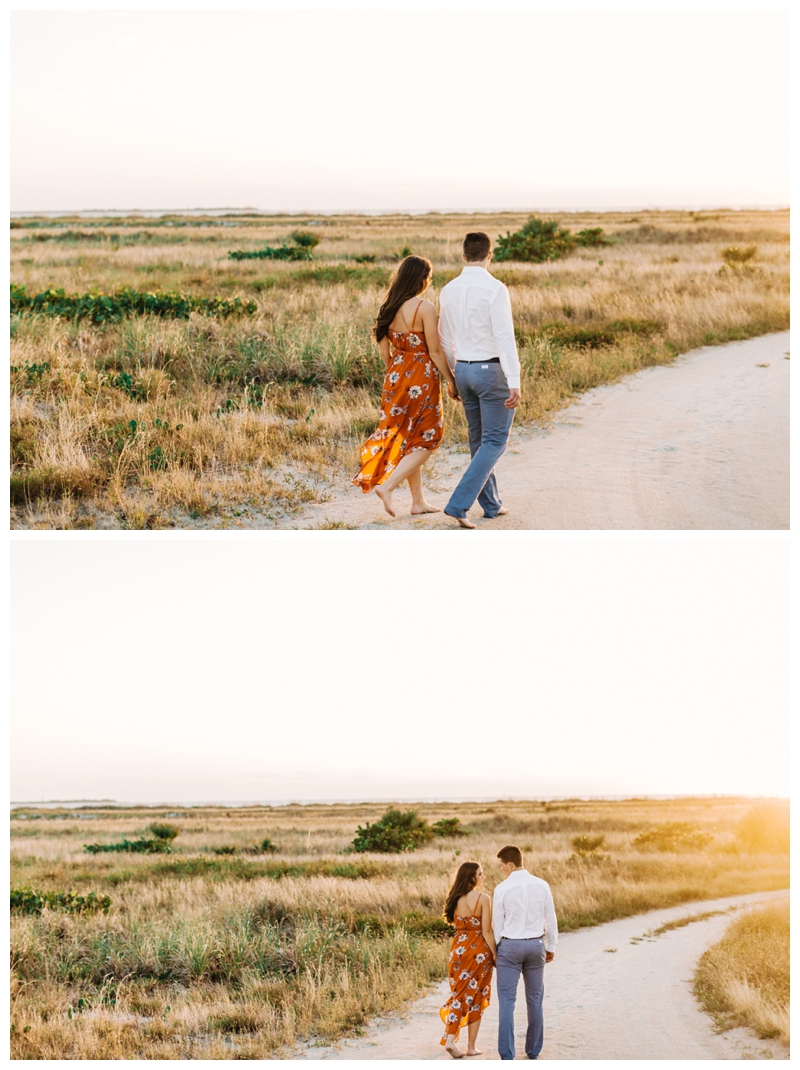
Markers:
(612, 992)
(699, 444)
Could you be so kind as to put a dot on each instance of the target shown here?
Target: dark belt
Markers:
(489, 360)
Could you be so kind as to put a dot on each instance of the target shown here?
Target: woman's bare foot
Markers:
(451, 1048)
(474, 1051)
(424, 507)
(386, 498)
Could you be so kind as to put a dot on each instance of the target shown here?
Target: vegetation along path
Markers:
(622, 990)
(699, 444)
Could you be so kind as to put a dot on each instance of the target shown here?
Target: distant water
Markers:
(71, 804)
(155, 213)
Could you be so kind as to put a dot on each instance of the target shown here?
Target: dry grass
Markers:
(744, 979)
(244, 955)
(239, 422)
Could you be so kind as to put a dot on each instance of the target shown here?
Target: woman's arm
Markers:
(383, 346)
(486, 923)
(437, 353)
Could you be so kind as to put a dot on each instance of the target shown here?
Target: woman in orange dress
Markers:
(471, 958)
(410, 426)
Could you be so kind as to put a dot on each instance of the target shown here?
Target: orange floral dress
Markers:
(470, 973)
(411, 409)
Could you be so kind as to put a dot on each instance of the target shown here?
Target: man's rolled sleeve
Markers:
(503, 330)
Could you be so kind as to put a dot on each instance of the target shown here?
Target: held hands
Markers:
(452, 390)
(549, 956)
(511, 403)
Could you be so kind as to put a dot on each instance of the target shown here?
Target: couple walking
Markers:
(517, 932)
(473, 349)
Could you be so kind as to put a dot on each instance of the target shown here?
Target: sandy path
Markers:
(633, 1003)
(699, 444)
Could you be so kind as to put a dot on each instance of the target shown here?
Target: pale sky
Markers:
(275, 670)
(413, 111)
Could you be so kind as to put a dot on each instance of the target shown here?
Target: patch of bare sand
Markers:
(612, 992)
(701, 444)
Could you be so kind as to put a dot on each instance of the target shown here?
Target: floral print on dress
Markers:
(411, 406)
(470, 969)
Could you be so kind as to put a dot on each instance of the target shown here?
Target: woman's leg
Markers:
(472, 1035)
(407, 466)
(418, 503)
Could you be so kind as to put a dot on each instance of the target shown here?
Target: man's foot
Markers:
(474, 1051)
(461, 519)
(386, 498)
(502, 511)
(424, 507)
(452, 1049)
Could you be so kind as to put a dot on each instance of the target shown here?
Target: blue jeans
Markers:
(484, 391)
(528, 958)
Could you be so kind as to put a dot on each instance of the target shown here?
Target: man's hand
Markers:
(549, 956)
(513, 398)
(452, 390)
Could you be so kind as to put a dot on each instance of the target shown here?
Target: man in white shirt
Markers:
(476, 332)
(526, 931)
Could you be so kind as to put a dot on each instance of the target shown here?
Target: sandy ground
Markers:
(612, 992)
(699, 444)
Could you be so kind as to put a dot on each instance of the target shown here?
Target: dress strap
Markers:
(416, 310)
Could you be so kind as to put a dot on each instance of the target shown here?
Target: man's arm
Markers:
(498, 914)
(446, 334)
(550, 927)
(503, 331)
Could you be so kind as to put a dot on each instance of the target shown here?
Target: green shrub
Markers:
(539, 240)
(162, 831)
(267, 846)
(99, 307)
(592, 236)
(132, 846)
(448, 826)
(305, 238)
(396, 831)
(673, 836)
(582, 337)
(30, 901)
(280, 252)
(228, 849)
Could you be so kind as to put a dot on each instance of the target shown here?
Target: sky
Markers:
(398, 111)
(244, 670)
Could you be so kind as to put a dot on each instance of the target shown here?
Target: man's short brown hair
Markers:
(477, 245)
(511, 854)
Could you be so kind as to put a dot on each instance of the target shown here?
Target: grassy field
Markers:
(221, 949)
(744, 979)
(212, 421)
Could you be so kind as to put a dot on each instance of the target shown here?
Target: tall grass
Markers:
(243, 391)
(246, 954)
(744, 979)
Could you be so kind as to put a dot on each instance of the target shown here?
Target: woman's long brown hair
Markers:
(464, 881)
(408, 281)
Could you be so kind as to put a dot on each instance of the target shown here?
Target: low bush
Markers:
(156, 846)
(100, 307)
(396, 831)
(736, 255)
(673, 836)
(586, 844)
(31, 901)
(163, 831)
(591, 237)
(539, 240)
(305, 238)
(279, 252)
(448, 826)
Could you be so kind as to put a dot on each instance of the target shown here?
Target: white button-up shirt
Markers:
(523, 908)
(475, 322)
